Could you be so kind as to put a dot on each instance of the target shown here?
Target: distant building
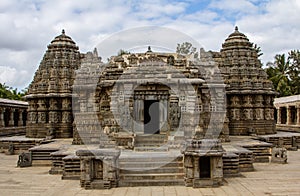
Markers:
(288, 113)
(13, 116)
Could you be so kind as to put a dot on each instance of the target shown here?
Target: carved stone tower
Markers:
(249, 93)
(50, 93)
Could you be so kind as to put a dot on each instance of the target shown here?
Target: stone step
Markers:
(166, 182)
(144, 158)
(151, 136)
(134, 165)
(151, 148)
(152, 176)
(149, 142)
(151, 171)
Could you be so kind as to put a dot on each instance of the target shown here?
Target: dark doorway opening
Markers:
(204, 165)
(6, 117)
(283, 115)
(24, 117)
(151, 117)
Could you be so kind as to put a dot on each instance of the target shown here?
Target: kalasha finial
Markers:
(63, 32)
(149, 49)
(236, 28)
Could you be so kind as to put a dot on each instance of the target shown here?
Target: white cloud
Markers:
(13, 77)
(29, 26)
(276, 30)
(234, 6)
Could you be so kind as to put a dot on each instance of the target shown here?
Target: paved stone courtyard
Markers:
(267, 179)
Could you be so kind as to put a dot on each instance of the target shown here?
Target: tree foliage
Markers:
(186, 48)
(284, 72)
(121, 52)
(258, 50)
(7, 92)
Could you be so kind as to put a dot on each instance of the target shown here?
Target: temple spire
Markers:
(236, 28)
(63, 32)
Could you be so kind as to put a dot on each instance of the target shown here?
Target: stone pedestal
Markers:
(203, 163)
(99, 168)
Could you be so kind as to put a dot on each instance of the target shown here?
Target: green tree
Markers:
(121, 52)
(278, 73)
(258, 50)
(11, 93)
(186, 48)
(294, 71)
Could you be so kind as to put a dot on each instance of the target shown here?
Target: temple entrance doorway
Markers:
(151, 117)
(204, 165)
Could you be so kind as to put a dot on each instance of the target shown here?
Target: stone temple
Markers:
(151, 118)
(249, 95)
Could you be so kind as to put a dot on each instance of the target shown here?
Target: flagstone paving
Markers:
(267, 179)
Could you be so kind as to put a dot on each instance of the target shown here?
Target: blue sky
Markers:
(27, 27)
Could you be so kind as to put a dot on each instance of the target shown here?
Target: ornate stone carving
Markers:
(25, 159)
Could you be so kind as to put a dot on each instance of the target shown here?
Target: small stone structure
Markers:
(279, 155)
(288, 113)
(99, 168)
(25, 159)
(203, 163)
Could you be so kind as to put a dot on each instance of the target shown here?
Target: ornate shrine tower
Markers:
(50, 93)
(249, 93)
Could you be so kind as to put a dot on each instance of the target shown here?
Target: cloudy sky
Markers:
(27, 27)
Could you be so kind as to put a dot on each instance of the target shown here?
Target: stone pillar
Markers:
(278, 115)
(288, 116)
(2, 117)
(20, 120)
(298, 115)
(11, 118)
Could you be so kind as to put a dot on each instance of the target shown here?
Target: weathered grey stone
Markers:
(25, 160)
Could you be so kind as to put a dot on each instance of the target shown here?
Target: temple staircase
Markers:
(151, 169)
(151, 142)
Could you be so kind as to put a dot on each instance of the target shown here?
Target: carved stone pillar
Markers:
(288, 115)
(298, 115)
(20, 120)
(11, 118)
(2, 124)
(278, 115)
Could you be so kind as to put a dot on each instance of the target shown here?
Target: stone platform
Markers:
(289, 140)
(19, 144)
(164, 168)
